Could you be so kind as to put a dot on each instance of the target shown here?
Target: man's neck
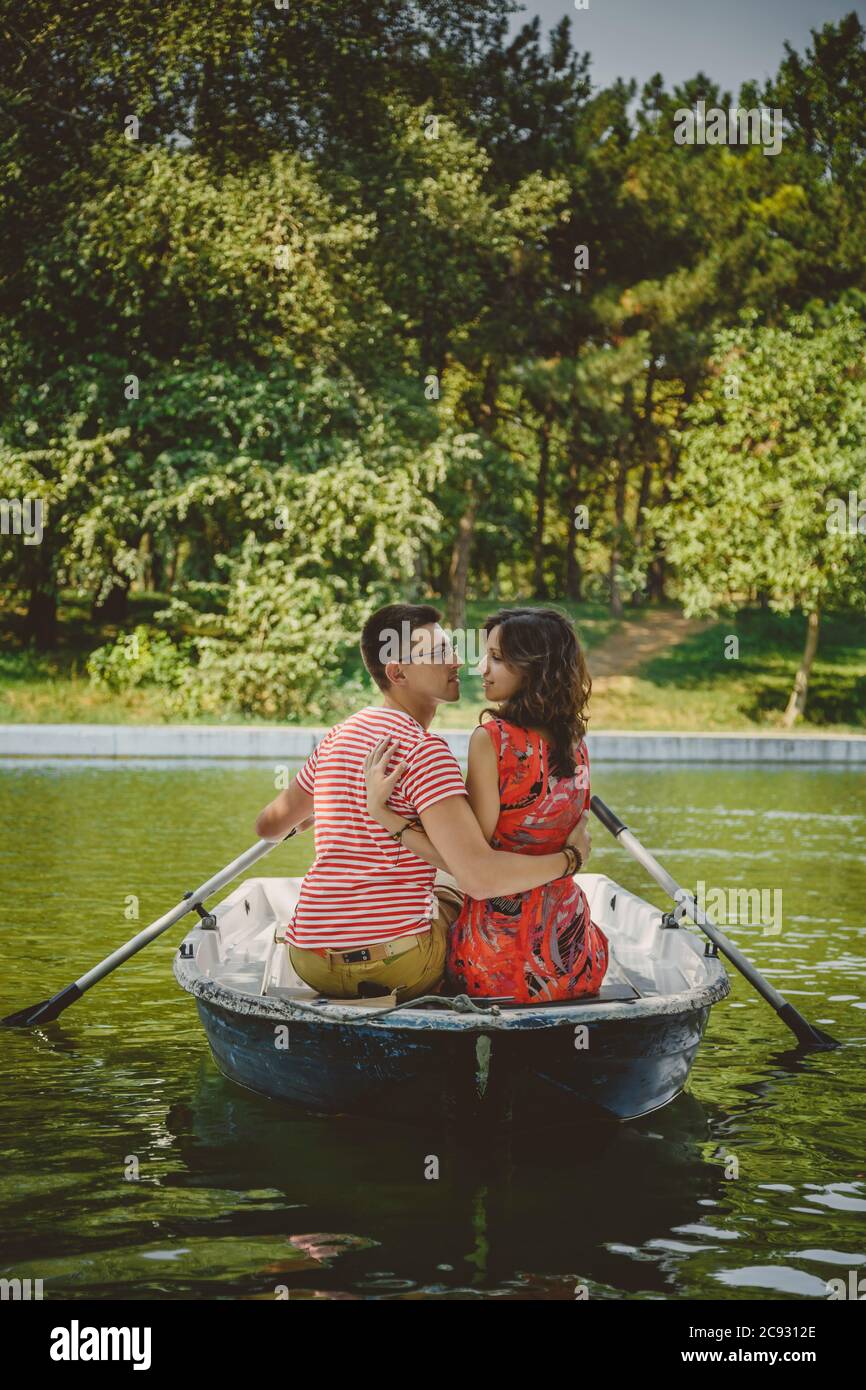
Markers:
(422, 711)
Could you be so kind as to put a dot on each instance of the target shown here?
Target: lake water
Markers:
(131, 1168)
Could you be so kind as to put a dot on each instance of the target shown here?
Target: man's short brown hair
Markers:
(379, 630)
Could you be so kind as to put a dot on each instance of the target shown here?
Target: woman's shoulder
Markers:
(505, 725)
(490, 730)
(504, 732)
(520, 749)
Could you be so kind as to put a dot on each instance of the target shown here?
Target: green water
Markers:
(132, 1169)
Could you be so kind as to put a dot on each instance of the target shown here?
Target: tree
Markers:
(775, 447)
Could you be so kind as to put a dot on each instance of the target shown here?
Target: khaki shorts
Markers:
(417, 971)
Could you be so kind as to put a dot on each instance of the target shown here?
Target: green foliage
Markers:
(141, 657)
(318, 336)
(777, 436)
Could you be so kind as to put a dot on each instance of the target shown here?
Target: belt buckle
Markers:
(353, 957)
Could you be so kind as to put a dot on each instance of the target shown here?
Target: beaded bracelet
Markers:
(574, 861)
(410, 825)
(397, 837)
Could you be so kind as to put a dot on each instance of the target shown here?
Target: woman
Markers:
(528, 784)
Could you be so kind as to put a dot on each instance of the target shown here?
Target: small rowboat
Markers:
(622, 1054)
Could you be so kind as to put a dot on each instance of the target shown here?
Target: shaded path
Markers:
(637, 641)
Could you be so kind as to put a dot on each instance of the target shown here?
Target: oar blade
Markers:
(43, 1012)
(805, 1032)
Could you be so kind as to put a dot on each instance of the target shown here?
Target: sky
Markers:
(730, 40)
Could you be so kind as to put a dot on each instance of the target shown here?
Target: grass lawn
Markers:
(53, 688)
(689, 686)
(693, 685)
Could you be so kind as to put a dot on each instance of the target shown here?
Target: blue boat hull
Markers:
(520, 1077)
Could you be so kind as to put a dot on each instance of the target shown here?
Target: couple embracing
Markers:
(423, 883)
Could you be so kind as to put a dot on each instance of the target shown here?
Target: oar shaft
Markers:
(697, 914)
(649, 862)
(148, 934)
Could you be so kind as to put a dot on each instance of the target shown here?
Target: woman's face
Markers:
(500, 680)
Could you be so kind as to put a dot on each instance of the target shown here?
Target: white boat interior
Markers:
(246, 952)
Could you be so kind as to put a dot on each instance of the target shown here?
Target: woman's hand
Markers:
(381, 782)
(580, 840)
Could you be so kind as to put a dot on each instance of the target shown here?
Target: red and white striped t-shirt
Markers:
(363, 886)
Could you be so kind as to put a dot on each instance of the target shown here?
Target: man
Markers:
(370, 918)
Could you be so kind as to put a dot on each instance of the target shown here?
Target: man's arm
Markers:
(480, 871)
(291, 810)
(415, 840)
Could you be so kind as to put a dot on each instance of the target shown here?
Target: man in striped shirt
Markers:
(370, 917)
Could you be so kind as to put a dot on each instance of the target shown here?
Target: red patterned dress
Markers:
(541, 945)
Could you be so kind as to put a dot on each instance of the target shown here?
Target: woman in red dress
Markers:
(528, 785)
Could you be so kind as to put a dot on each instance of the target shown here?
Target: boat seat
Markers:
(614, 993)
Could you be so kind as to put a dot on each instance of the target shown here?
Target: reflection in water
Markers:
(501, 1208)
(133, 1169)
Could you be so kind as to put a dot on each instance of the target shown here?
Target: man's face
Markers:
(431, 667)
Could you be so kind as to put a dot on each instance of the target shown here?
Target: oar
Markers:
(49, 1009)
(804, 1031)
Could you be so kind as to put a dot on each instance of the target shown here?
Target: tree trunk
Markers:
(575, 496)
(616, 606)
(615, 603)
(657, 575)
(156, 570)
(419, 574)
(647, 436)
(115, 606)
(40, 624)
(643, 498)
(573, 567)
(150, 565)
(41, 620)
(171, 567)
(797, 702)
(658, 570)
(458, 573)
(538, 584)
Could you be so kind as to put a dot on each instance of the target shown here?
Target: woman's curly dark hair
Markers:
(542, 643)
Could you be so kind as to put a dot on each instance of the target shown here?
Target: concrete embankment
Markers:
(275, 744)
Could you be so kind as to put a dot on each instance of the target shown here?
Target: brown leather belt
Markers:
(380, 950)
